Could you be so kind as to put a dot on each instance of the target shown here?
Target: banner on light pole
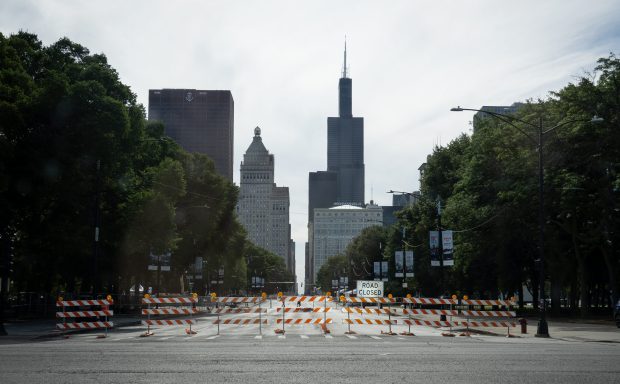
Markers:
(398, 264)
(384, 271)
(434, 247)
(448, 248)
(409, 264)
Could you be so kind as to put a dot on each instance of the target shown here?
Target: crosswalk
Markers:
(163, 337)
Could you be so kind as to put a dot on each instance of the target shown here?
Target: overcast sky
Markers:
(410, 61)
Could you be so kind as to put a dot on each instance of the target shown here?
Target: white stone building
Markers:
(334, 228)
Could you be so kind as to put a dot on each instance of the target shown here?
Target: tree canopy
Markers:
(89, 188)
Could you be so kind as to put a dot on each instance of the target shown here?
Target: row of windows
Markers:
(256, 176)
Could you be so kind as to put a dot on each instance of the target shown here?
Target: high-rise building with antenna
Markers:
(343, 181)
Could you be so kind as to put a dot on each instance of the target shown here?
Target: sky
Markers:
(410, 61)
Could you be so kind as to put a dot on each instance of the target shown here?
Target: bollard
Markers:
(523, 323)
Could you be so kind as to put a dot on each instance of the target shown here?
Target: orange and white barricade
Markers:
(240, 311)
(74, 310)
(369, 311)
(479, 315)
(299, 300)
(175, 306)
(433, 310)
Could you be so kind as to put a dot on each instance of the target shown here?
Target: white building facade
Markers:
(263, 207)
(334, 228)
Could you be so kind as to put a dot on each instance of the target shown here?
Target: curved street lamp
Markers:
(543, 329)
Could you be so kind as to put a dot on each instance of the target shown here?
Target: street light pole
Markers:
(543, 329)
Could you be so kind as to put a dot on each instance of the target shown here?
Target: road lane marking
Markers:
(351, 336)
(213, 337)
(376, 337)
(258, 337)
(329, 336)
(303, 336)
(281, 337)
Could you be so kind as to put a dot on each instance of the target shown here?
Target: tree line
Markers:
(89, 188)
(487, 184)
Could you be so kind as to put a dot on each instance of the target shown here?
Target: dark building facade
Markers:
(199, 120)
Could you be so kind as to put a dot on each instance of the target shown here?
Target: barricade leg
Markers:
(349, 332)
(408, 333)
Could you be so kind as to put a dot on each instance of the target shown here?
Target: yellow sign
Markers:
(328, 294)
(453, 297)
(195, 295)
(342, 297)
(409, 295)
(465, 297)
(60, 298)
(108, 297)
(279, 294)
(147, 296)
(389, 295)
(263, 295)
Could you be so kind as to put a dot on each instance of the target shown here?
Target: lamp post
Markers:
(543, 329)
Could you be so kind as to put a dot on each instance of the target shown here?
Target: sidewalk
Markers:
(37, 329)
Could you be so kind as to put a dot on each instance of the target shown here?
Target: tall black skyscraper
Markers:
(199, 120)
(345, 145)
(343, 181)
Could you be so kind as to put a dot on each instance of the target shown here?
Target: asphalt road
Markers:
(305, 357)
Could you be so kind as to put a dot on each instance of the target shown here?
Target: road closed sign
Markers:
(369, 288)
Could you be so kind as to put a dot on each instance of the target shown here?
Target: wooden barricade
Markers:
(498, 315)
(78, 312)
(369, 311)
(176, 306)
(240, 311)
(435, 305)
(303, 310)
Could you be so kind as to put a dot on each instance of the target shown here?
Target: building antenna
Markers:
(344, 70)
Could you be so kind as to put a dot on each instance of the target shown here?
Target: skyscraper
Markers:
(200, 121)
(345, 145)
(343, 181)
(263, 207)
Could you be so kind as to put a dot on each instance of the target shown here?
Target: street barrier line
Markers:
(429, 301)
(370, 300)
(169, 311)
(84, 314)
(470, 313)
(169, 300)
(83, 303)
(86, 325)
(232, 299)
(369, 321)
(240, 321)
(501, 303)
(169, 322)
(417, 311)
(304, 321)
